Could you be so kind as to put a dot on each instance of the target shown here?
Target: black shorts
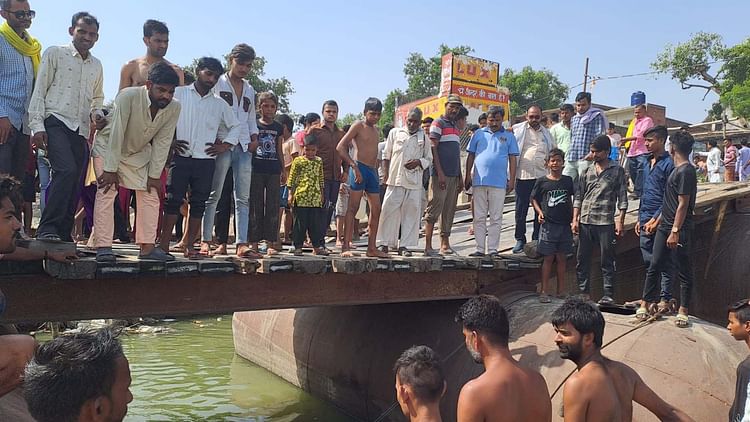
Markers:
(554, 239)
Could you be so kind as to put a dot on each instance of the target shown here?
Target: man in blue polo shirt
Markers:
(491, 151)
(655, 175)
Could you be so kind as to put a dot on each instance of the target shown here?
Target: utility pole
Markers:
(586, 75)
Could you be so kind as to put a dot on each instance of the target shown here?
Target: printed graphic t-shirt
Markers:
(265, 158)
(554, 197)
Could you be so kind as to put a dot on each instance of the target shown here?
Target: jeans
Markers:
(67, 154)
(45, 170)
(662, 258)
(14, 154)
(331, 196)
(224, 211)
(197, 173)
(523, 200)
(588, 235)
(241, 163)
(647, 247)
(264, 207)
(635, 166)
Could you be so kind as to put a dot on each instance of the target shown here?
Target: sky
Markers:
(351, 50)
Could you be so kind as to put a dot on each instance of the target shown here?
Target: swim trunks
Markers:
(370, 181)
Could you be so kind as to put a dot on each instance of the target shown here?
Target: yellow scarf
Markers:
(629, 133)
(30, 48)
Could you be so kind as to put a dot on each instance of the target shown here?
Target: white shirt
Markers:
(67, 87)
(402, 147)
(713, 161)
(200, 119)
(244, 108)
(533, 154)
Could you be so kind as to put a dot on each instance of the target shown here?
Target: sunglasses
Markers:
(24, 14)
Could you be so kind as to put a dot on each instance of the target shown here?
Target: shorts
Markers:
(284, 197)
(554, 239)
(343, 201)
(370, 180)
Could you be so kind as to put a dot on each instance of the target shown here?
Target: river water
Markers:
(191, 373)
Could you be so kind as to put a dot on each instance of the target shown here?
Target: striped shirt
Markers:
(16, 83)
(68, 87)
(447, 135)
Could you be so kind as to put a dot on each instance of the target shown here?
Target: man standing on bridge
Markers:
(132, 149)
(585, 126)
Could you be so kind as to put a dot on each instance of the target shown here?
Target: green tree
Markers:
(282, 87)
(348, 119)
(529, 86)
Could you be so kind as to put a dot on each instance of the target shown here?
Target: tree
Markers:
(692, 60)
(282, 87)
(422, 79)
(529, 86)
(349, 118)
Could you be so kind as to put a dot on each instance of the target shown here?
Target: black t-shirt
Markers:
(554, 197)
(265, 158)
(741, 399)
(682, 181)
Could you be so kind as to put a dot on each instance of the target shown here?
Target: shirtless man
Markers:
(506, 391)
(363, 175)
(601, 389)
(420, 384)
(156, 38)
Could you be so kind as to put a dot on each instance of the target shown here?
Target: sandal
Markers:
(681, 321)
(194, 255)
(544, 298)
(664, 308)
(642, 314)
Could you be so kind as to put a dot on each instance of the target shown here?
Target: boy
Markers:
(551, 198)
(420, 384)
(306, 197)
(363, 175)
(290, 149)
(739, 328)
(266, 179)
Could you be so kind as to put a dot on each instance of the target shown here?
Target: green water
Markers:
(192, 374)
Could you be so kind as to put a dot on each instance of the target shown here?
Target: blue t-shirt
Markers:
(491, 151)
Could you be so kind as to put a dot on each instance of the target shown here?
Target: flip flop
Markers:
(681, 321)
(642, 314)
(194, 255)
(250, 254)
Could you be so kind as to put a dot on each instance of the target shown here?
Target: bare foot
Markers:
(272, 251)
(349, 254)
(178, 247)
(339, 244)
(377, 253)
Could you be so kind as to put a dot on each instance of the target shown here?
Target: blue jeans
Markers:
(635, 166)
(45, 170)
(647, 251)
(241, 163)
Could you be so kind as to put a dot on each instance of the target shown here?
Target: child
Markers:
(363, 175)
(266, 177)
(290, 149)
(342, 205)
(739, 328)
(306, 197)
(552, 200)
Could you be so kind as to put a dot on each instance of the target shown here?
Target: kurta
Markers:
(132, 144)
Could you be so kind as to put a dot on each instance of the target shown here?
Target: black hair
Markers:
(188, 77)
(268, 95)
(162, 73)
(310, 140)
(555, 117)
(583, 315)
(463, 112)
(611, 125)
(584, 96)
(330, 103)
(682, 141)
(713, 143)
(659, 132)
(86, 17)
(10, 188)
(309, 118)
(536, 106)
(386, 130)
(602, 143)
(481, 117)
(485, 314)
(556, 152)
(152, 26)
(419, 367)
(346, 128)
(472, 127)
(567, 107)
(741, 309)
(286, 121)
(6, 4)
(68, 371)
(209, 63)
(242, 52)
(494, 110)
(428, 120)
(373, 104)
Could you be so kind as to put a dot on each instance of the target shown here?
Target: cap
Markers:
(453, 98)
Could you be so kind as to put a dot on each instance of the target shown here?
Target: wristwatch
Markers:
(675, 229)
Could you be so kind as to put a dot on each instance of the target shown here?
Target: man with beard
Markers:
(156, 38)
(506, 391)
(201, 116)
(132, 150)
(601, 389)
(739, 328)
